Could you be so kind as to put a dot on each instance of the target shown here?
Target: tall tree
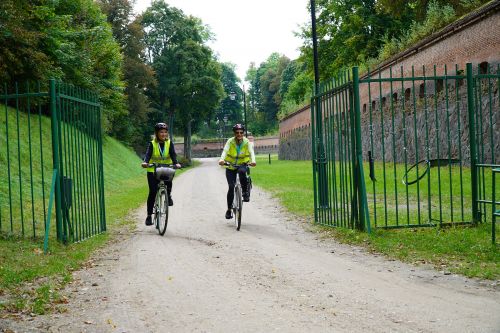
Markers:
(189, 79)
(137, 74)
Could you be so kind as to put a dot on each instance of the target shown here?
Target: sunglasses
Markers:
(239, 132)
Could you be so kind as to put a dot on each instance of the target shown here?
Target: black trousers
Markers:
(153, 187)
(231, 181)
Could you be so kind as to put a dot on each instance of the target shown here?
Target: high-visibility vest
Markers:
(158, 156)
(235, 156)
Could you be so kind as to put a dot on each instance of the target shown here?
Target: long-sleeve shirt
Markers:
(171, 151)
(228, 144)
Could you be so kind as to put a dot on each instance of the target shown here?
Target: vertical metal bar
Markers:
(79, 163)
(77, 216)
(472, 142)
(448, 131)
(342, 144)
(372, 148)
(31, 160)
(334, 158)
(49, 215)
(415, 137)
(8, 157)
(354, 181)
(490, 100)
(459, 123)
(438, 144)
(405, 141)
(479, 107)
(101, 175)
(21, 203)
(328, 115)
(55, 154)
(41, 153)
(364, 216)
(427, 145)
(394, 147)
(313, 155)
(383, 144)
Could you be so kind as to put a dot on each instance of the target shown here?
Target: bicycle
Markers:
(164, 173)
(237, 206)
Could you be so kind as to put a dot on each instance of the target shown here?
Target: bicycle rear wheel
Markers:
(238, 207)
(162, 215)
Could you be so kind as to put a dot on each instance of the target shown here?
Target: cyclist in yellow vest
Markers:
(238, 150)
(160, 150)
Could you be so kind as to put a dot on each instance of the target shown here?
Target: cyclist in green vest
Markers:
(161, 151)
(238, 150)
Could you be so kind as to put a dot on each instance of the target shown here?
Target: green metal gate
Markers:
(429, 138)
(48, 127)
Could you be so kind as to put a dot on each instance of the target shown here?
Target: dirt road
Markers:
(203, 276)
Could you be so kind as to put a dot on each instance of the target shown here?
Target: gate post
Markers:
(55, 155)
(364, 217)
(472, 141)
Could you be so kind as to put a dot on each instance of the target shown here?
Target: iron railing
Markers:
(32, 145)
(429, 138)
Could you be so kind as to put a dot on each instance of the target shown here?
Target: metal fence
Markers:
(422, 141)
(50, 127)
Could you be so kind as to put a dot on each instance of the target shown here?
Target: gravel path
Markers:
(203, 276)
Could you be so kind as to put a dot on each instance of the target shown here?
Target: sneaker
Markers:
(170, 201)
(246, 196)
(148, 220)
(229, 214)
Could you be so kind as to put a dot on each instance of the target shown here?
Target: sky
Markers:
(247, 30)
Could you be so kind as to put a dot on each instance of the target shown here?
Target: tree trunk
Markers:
(187, 141)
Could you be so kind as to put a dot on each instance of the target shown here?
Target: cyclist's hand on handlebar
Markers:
(144, 164)
(178, 166)
(252, 164)
(221, 162)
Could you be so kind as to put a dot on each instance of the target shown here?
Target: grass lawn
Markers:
(462, 250)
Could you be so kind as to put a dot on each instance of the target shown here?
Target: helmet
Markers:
(160, 126)
(238, 127)
(164, 173)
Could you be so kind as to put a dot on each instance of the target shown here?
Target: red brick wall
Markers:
(474, 40)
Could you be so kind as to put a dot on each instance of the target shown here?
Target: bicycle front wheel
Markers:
(162, 218)
(238, 207)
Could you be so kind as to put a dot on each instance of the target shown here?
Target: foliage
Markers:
(189, 79)
(438, 15)
(137, 74)
(264, 93)
(68, 40)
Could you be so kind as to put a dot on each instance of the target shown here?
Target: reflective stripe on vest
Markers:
(235, 157)
(158, 157)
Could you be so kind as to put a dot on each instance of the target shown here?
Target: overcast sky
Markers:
(247, 30)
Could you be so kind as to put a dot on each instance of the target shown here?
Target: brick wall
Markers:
(474, 38)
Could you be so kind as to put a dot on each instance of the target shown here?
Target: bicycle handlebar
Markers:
(154, 165)
(235, 165)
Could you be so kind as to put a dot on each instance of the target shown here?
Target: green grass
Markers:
(30, 280)
(462, 250)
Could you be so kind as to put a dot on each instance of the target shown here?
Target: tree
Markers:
(68, 40)
(193, 80)
(265, 84)
(137, 74)
(188, 77)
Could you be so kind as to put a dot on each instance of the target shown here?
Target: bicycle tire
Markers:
(162, 217)
(238, 207)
